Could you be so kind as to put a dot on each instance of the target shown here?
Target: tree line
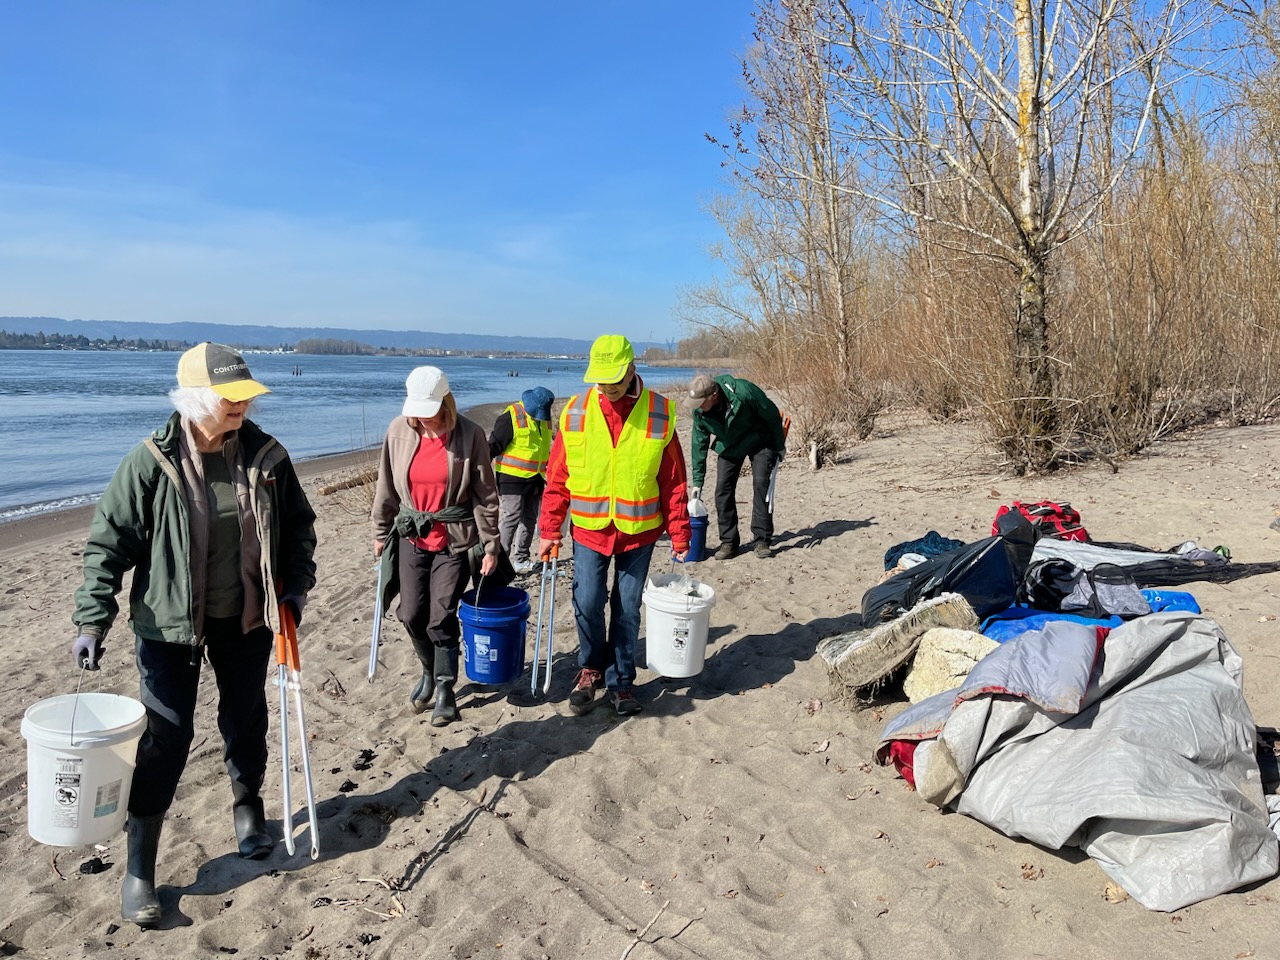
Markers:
(1058, 220)
(63, 341)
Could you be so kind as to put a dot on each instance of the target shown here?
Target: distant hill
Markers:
(271, 337)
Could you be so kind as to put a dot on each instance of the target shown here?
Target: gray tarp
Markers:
(1141, 754)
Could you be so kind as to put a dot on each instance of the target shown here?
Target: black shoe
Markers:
(727, 551)
(583, 695)
(625, 703)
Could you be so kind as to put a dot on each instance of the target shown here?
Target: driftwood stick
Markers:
(640, 935)
(359, 480)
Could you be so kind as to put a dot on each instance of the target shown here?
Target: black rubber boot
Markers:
(252, 838)
(424, 690)
(446, 707)
(138, 901)
(420, 696)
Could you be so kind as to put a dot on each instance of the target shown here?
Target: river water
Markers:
(67, 417)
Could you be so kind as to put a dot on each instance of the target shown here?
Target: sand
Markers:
(739, 815)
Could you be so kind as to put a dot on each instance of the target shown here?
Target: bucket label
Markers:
(680, 640)
(66, 793)
(483, 648)
(107, 800)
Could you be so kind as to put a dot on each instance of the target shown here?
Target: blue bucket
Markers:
(493, 634)
(697, 540)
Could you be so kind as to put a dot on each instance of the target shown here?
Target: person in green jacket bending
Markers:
(209, 515)
(744, 424)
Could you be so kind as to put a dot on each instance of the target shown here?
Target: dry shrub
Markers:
(829, 406)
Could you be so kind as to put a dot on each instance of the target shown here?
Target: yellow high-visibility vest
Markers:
(617, 484)
(530, 447)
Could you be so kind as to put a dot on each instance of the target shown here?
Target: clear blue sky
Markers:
(496, 168)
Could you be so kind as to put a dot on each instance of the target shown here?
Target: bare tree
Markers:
(968, 124)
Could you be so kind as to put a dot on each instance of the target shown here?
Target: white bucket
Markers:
(78, 780)
(676, 631)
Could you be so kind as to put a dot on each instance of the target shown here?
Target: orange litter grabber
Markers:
(289, 677)
(548, 576)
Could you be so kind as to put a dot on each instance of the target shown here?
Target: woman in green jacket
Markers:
(209, 515)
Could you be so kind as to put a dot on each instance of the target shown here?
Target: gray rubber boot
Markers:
(446, 707)
(138, 901)
(250, 820)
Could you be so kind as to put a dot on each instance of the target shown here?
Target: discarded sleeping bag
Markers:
(1105, 590)
(1053, 518)
(987, 573)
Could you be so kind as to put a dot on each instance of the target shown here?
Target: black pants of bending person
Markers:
(170, 682)
(727, 473)
(431, 586)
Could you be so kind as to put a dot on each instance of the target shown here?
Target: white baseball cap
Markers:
(426, 388)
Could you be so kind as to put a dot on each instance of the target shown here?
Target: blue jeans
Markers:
(612, 653)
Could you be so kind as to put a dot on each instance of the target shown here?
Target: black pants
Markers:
(727, 473)
(169, 684)
(431, 586)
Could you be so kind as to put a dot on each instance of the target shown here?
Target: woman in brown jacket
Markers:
(436, 503)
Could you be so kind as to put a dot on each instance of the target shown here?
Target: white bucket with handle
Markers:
(678, 617)
(81, 751)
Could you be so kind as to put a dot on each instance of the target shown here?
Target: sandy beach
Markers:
(740, 815)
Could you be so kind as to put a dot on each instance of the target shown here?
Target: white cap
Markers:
(426, 389)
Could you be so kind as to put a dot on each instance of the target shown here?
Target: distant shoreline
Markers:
(20, 533)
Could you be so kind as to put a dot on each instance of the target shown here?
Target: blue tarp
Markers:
(1014, 621)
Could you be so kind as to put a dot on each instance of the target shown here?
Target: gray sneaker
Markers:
(727, 551)
(762, 550)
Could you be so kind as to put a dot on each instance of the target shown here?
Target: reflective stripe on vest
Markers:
(611, 483)
(530, 447)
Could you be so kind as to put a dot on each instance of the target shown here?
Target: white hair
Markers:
(196, 404)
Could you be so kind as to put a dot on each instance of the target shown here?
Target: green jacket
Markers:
(141, 524)
(743, 423)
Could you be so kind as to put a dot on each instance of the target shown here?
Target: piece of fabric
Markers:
(1141, 753)
(932, 544)
(612, 649)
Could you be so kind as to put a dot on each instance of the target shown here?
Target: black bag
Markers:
(1108, 590)
(987, 573)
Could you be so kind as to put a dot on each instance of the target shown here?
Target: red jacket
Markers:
(672, 490)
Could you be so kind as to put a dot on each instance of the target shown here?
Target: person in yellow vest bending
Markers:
(520, 444)
(617, 471)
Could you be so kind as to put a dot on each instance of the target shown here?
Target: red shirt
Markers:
(428, 484)
(610, 541)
